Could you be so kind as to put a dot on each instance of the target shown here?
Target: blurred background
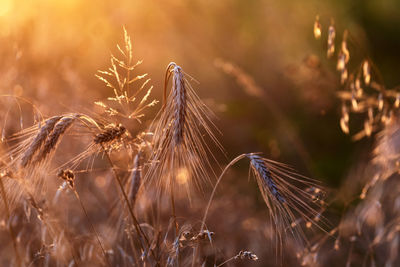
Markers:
(50, 50)
(256, 64)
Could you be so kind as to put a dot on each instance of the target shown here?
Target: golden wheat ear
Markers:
(180, 155)
(294, 201)
(39, 140)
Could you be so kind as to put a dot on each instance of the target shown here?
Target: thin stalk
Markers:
(135, 221)
(14, 240)
(52, 232)
(133, 248)
(203, 221)
(175, 221)
(228, 260)
(174, 212)
(92, 227)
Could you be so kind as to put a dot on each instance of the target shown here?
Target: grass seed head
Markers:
(109, 134)
(38, 141)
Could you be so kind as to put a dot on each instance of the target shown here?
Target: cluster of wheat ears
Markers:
(160, 169)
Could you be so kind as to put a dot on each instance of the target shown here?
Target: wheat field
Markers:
(199, 133)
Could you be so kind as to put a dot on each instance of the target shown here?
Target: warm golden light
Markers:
(5, 7)
(182, 176)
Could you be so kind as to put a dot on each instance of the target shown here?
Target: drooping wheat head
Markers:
(54, 137)
(39, 140)
(295, 202)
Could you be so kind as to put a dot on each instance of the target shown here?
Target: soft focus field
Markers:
(270, 88)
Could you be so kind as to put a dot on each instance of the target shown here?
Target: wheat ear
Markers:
(39, 140)
(136, 178)
(179, 95)
(109, 134)
(53, 139)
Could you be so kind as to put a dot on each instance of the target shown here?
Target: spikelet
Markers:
(354, 102)
(366, 72)
(343, 58)
(53, 139)
(359, 90)
(179, 97)
(180, 154)
(136, 178)
(317, 28)
(39, 139)
(341, 63)
(331, 40)
(264, 177)
(343, 76)
(68, 176)
(109, 134)
(345, 50)
(33, 146)
(367, 128)
(293, 200)
(345, 113)
(246, 255)
(380, 102)
(371, 115)
(344, 125)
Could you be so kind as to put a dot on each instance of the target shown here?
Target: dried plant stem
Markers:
(13, 237)
(203, 221)
(52, 233)
(242, 255)
(228, 260)
(92, 227)
(33, 202)
(135, 256)
(126, 199)
(174, 211)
